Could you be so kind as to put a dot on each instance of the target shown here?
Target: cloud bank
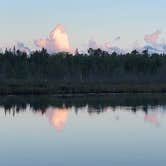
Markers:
(107, 46)
(152, 38)
(153, 43)
(57, 41)
(20, 46)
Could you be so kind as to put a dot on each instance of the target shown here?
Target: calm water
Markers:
(118, 130)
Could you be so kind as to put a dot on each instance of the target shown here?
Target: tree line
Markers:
(94, 70)
(95, 66)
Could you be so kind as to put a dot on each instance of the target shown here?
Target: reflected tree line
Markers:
(95, 104)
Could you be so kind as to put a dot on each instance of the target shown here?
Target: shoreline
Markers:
(41, 102)
(82, 89)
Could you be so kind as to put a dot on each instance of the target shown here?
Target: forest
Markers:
(96, 71)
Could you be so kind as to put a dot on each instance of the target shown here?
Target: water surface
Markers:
(119, 130)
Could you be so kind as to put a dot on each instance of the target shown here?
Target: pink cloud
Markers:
(56, 42)
(152, 38)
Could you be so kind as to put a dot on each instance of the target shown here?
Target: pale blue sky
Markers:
(102, 20)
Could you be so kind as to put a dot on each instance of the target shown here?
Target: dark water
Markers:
(118, 130)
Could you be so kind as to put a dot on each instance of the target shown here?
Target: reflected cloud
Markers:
(57, 117)
(152, 118)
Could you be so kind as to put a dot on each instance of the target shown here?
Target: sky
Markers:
(119, 23)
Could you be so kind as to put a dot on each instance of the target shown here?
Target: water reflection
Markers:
(57, 109)
(57, 117)
(152, 118)
(109, 130)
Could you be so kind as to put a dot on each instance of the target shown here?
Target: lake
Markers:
(115, 129)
